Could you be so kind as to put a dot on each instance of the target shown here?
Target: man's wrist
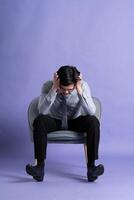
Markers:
(54, 88)
(79, 92)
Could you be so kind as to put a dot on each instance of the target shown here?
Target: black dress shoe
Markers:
(94, 172)
(91, 178)
(36, 171)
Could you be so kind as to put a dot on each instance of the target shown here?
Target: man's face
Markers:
(65, 90)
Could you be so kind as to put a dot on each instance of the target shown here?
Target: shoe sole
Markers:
(91, 178)
(37, 178)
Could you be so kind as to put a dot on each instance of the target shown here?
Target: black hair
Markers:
(68, 75)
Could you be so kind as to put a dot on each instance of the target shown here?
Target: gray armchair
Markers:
(61, 136)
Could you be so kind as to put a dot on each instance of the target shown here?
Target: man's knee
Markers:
(38, 120)
(92, 119)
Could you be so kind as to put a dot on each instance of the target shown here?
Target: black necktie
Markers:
(64, 117)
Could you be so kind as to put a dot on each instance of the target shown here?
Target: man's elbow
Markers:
(93, 111)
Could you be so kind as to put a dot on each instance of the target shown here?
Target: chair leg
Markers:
(85, 150)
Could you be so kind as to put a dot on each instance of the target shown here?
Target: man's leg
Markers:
(91, 126)
(42, 125)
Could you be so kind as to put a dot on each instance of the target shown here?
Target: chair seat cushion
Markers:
(66, 136)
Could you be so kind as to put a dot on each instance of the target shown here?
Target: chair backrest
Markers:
(33, 113)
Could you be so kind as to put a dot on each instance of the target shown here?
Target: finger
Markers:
(80, 75)
(55, 76)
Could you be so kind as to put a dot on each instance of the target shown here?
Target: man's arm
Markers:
(46, 100)
(48, 96)
(85, 97)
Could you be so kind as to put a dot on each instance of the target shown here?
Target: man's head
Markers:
(68, 77)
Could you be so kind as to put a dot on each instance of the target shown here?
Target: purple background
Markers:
(38, 36)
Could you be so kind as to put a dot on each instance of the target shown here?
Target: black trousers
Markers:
(44, 124)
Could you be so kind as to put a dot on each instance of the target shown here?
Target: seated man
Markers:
(67, 105)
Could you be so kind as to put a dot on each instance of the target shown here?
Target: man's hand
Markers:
(55, 82)
(78, 85)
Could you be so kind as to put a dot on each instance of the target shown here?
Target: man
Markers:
(67, 105)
